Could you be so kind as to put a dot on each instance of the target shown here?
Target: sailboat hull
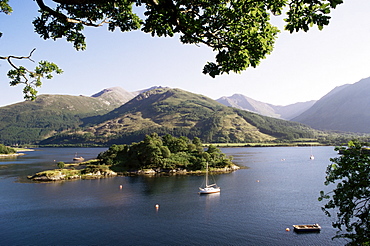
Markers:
(209, 190)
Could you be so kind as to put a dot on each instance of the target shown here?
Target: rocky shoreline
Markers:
(60, 175)
(180, 171)
(11, 155)
(103, 171)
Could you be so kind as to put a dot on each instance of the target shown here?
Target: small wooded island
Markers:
(154, 155)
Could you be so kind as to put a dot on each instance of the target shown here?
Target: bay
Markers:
(278, 189)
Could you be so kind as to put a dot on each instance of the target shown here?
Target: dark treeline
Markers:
(208, 136)
(278, 128)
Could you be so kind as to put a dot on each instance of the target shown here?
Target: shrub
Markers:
(6, 150)
(60, 165)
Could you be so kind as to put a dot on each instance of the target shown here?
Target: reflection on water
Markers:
(122, 210)
(8, 158)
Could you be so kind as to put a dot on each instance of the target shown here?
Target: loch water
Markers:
(279, 188)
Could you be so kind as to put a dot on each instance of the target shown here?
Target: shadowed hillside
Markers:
(346, 108)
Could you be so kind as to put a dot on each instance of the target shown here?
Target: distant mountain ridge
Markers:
(282, 112)
(114, 114)
(180, 113)
(345, 108)
(148, 89)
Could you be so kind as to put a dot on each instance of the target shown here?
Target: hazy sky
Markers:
(302, 67)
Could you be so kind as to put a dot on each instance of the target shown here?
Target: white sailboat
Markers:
(209, 188)
(312, 157)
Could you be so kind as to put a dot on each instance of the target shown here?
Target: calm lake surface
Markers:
(255, 205)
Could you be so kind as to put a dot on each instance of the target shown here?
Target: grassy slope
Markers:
(31, 121)
(179, 112)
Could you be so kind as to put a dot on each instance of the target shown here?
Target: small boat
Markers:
(78, 158)
(307, 228)
(312, 157)
(209, 188)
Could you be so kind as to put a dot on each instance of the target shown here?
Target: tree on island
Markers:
(239, 31)
(165, 153)
(351, 197)
(61, 165)
(6, 150)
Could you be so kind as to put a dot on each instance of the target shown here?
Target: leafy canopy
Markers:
(167, 152)
(238, 31)
(351, 197)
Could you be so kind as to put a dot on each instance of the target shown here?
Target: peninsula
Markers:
(6, 151)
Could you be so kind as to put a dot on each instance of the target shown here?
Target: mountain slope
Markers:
(245, 103)
(31, 121)
(291, 111)
(345, 108)
(180, 113)
(282, 112)
(115, 96)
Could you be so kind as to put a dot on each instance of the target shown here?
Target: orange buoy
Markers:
(120, 187)
(156, 206)
(287, 229)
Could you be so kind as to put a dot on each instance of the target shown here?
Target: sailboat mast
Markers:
(207, 175)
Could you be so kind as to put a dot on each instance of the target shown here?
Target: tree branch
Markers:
(8, 58)
(63, 17)
(79, 2)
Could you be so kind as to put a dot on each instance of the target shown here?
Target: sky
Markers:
(302, 67)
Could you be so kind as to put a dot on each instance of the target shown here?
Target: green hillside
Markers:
(31, 121)
(180, 113)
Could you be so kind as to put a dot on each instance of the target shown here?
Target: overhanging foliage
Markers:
(238, 31)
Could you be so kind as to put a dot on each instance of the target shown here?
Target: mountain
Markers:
(115, 96)
(345, 108)
(180, 113)
(148, 89)
(245, 103)
(32, 121)
(283, 112)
